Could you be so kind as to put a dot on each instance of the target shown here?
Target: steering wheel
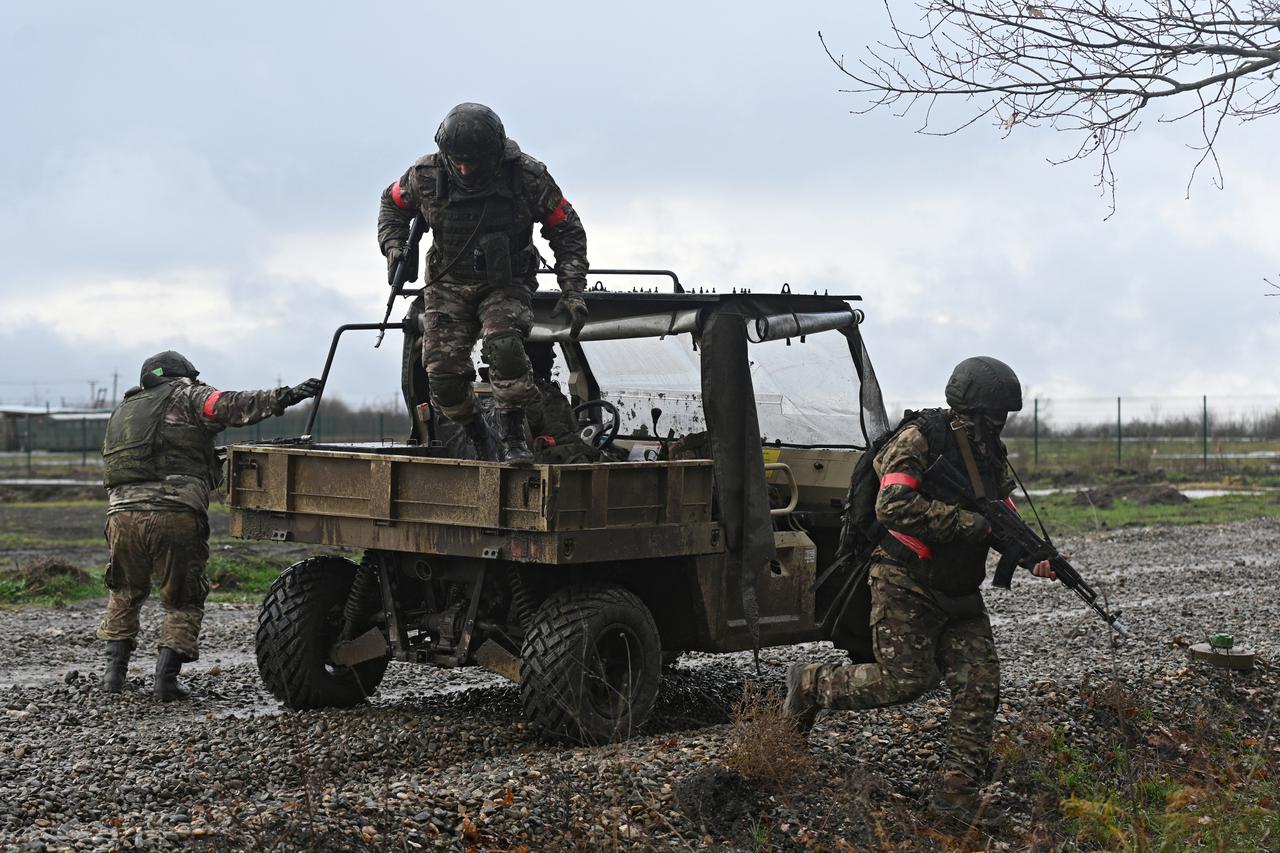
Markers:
(599, 436)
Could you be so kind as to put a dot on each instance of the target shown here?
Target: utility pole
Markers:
(115, 379)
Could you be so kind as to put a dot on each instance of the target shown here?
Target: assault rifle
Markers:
(1017, 543)
(406, 270)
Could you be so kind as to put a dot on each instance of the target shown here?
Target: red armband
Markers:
(209, 403)
(897, 478)
(557, 216)
(920, 549)
(397, 196)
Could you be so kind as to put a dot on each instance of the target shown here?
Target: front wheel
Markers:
(591, 664)
(300, 620)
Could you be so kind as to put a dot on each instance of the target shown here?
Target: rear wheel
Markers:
(300, 620)
(591, 664)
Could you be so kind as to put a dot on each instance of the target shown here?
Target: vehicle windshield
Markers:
(806, 393)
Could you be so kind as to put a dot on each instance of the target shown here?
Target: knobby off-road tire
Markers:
(300, 620)
(591, 664)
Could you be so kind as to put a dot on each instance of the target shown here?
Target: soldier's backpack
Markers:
(844, 597)
(862, 531)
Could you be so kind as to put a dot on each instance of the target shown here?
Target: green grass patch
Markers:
(234, 578)
(26, 541)
(1187, 778)
(1064, 514)
(231, 579)
(48, 581)
(1174, 809)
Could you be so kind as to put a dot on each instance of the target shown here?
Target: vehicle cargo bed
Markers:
(409, 502)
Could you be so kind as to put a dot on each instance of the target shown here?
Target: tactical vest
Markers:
(139, 447)
(958, 567)
(455, 218)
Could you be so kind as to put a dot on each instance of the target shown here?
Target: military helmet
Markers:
(474, 134)
(166, 365)
(984, 384)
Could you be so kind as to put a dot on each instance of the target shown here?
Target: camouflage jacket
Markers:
(524, 195)
(200, 405)
(908, 511)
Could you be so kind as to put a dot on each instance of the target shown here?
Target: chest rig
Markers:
(958, 567)
(460, 220)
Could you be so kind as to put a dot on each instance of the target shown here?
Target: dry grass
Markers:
(764, 745)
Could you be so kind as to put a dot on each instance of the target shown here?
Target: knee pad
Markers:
(449, 389)
(506, 356)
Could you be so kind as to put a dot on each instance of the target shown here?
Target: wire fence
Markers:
(1185, 434)
(1149, 433)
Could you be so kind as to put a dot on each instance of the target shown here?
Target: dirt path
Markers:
(442, 757)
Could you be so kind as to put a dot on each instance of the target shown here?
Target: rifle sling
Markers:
(970, 464)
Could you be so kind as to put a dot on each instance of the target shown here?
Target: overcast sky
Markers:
(205, 177)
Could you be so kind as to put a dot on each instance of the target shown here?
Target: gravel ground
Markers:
(442, 759)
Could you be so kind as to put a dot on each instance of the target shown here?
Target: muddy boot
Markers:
(168, 687)
(957, 805)
(801, 704)
(481, 439)
(118, 652)
(514, 446)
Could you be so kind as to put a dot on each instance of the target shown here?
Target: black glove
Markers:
(573, 305)
(981, 531)
(298, 393)
(394, 253)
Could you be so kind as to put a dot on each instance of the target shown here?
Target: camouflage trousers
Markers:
(456, 315)
(169, 549)
(911, 637)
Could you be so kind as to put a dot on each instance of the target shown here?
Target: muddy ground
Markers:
(442, 758)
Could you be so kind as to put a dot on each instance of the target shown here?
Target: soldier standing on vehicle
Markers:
(481, 196)
(926, 606)
(159, 468)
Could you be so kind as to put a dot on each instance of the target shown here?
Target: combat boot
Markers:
(958, 806)
(514, 446)
(118, 652)
(801, 705)
(168, 665)
(481, 438)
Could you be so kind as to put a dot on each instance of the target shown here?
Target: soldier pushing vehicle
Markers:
(481, 196)
(159, 468)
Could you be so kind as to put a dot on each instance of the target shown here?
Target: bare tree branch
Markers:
(1090, 67)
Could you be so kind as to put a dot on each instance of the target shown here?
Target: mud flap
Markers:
(369, 645)
(495, 658)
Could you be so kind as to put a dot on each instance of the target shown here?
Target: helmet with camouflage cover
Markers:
(166, 365)
(472, 140)
(984, 384)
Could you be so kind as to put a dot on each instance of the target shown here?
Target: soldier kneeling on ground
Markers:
(927, 610)
(159, 467)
